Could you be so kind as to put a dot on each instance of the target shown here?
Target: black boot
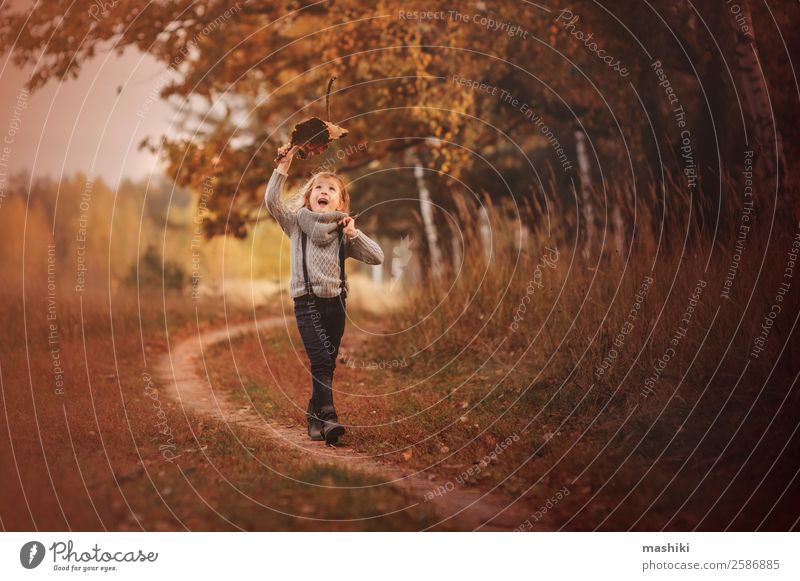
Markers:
(314, 423)
(332, 430)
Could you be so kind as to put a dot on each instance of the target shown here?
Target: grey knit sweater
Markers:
(322, 258)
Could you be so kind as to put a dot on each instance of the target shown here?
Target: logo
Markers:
(402, 254)
(31, 554)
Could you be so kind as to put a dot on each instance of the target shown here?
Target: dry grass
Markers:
(704, 449)
(91, 458)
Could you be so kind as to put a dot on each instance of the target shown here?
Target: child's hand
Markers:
(349, 227)
(285, 157)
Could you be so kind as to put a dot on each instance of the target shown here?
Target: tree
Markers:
(469, 78)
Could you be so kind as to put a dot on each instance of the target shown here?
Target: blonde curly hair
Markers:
(301, 199)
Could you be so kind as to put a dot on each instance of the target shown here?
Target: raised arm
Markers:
(285, 218)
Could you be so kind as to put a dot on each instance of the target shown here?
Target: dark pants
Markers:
(321, 325)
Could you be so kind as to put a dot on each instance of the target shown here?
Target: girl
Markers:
(321, 236)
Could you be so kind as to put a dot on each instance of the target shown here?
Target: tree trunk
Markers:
(426, 210)
(764, 134)
(485, 228)
(619, 230)
(585, 172)
(522, 238)
(377, 270)
(456, 242)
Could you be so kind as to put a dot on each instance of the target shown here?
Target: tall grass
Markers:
(578, 303)
(556, 340)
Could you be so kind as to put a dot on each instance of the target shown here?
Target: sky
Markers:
(83, 124)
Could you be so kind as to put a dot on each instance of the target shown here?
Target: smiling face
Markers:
(325, 195)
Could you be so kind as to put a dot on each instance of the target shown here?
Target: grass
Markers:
(702, 449)
(91, 458)
(508, 345)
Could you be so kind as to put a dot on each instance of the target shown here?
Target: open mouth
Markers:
(322, 202)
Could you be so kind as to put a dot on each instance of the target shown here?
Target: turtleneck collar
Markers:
(321, 227)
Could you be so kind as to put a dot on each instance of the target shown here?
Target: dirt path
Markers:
(185, 380)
